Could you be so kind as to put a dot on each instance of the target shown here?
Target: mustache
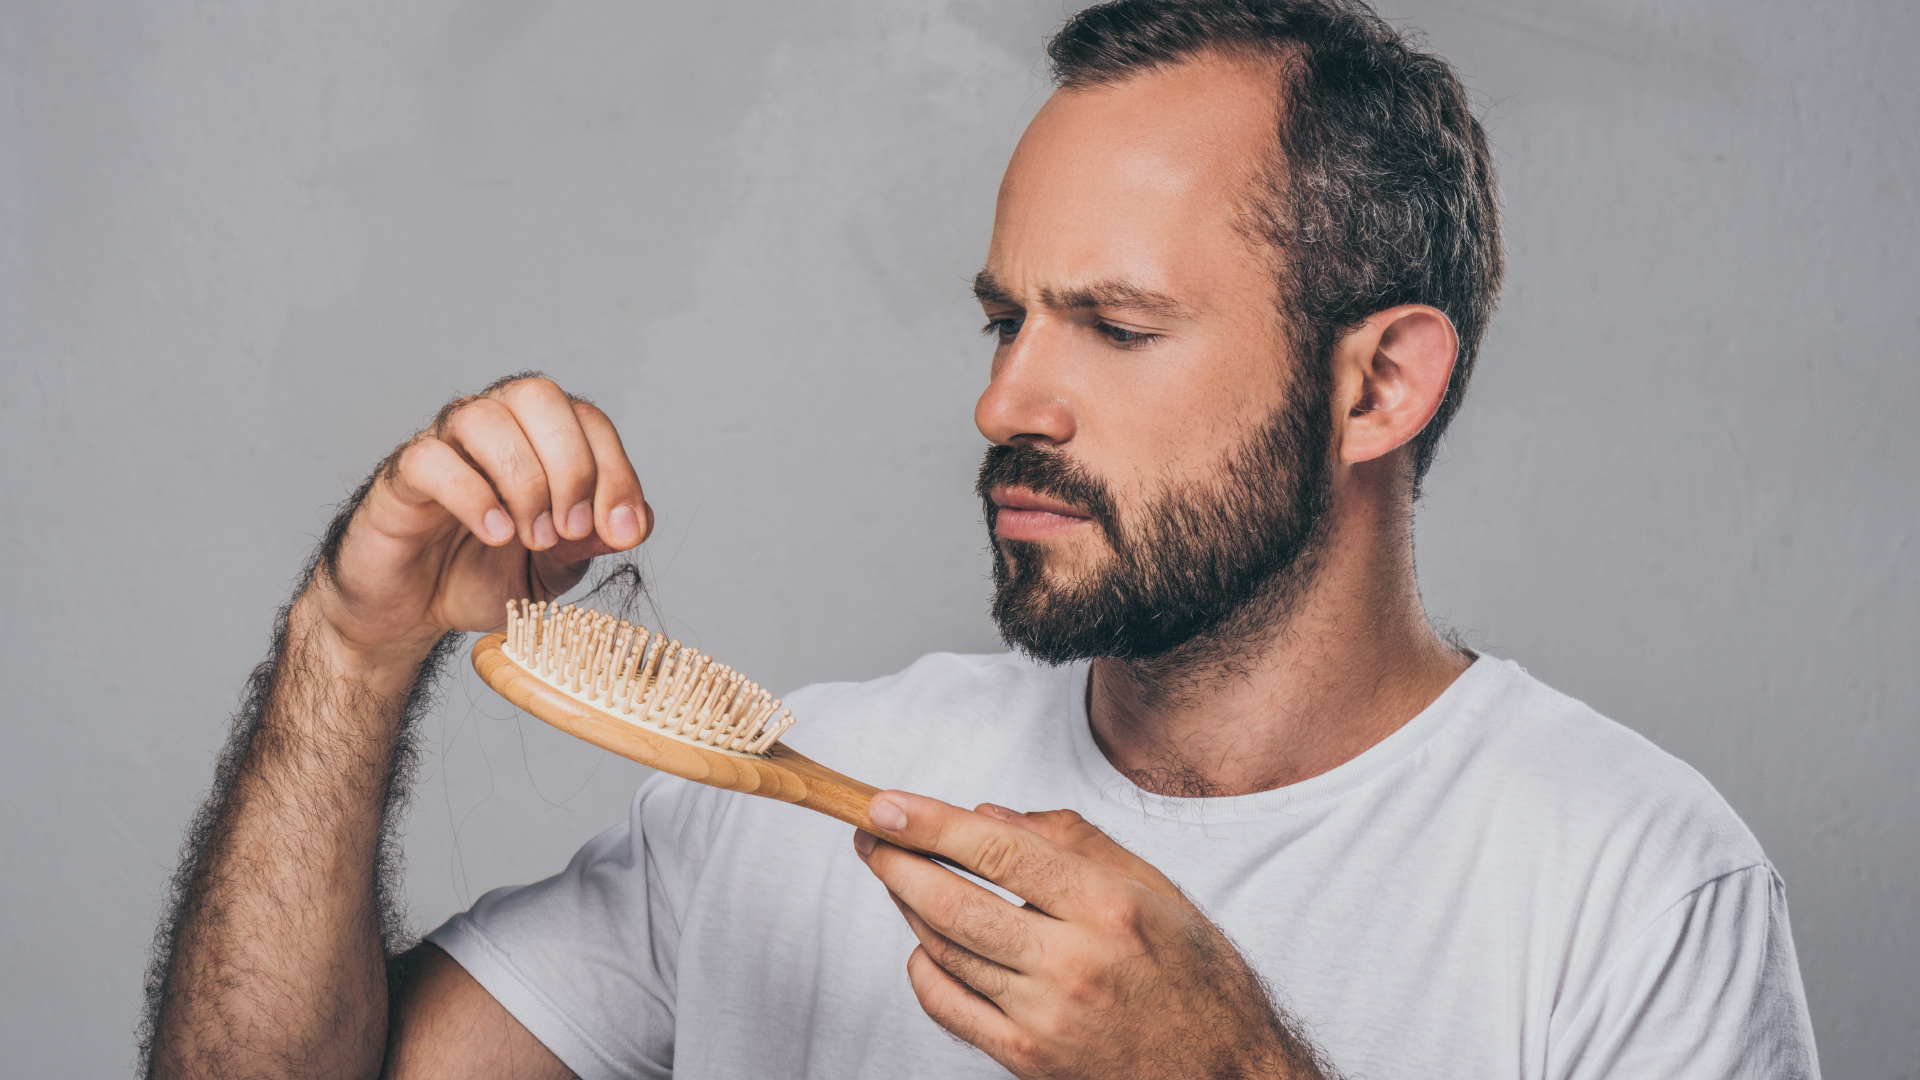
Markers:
(1048, 472)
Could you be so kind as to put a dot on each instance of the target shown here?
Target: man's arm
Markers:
(445, 1026)
(1108, 971)
(275, 961)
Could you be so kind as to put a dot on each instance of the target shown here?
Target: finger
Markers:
(1082, 837)
(957, 1008)
(486, 433)
(428, 470)
(959, 910)
(551, 573)
(561, 566)
(545, 414)
(983, 975)
(620, 512)
(1019, 860)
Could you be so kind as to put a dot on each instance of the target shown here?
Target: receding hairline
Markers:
(1284, 60)
(1280, 66)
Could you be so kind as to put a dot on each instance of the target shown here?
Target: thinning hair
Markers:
(1381, 191)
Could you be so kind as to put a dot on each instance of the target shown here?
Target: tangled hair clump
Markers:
(1382, 190)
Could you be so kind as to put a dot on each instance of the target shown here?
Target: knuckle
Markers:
(461, 419)
(978, 919)
(443, 420)
(957, 962)
(1081, 982)
(998, 855)
(1026, 1052)
(409, 458)
(1053, 1025)
(986, 980)
(516, 390)
(1117, 922)
(519, 480)
(505, 381)
(950, 958)
(389, 468)
(1063, 827)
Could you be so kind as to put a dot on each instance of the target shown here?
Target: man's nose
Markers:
(1028, 401)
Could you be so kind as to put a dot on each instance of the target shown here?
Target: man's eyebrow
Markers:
(1116, 294)
(988, 290)
(1100, 294)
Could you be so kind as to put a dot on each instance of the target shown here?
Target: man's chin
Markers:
(1046, 616)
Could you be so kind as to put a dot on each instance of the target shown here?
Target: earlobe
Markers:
(1393, 369)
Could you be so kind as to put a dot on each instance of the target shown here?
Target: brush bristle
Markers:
(640, 676)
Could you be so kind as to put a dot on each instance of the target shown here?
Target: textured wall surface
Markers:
(246, 248)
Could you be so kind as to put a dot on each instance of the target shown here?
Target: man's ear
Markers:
(1389, 375)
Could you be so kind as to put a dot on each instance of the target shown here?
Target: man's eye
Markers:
(1004, 329)
(1120, 335)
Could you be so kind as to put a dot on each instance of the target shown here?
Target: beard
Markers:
(1200, 569)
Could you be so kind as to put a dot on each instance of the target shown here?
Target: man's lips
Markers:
(1023, 515)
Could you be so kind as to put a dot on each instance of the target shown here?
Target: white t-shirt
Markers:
(1508, 886)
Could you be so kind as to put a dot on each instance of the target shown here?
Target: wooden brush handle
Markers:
(782, 774)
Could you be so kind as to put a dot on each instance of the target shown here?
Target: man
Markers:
(1239, 269)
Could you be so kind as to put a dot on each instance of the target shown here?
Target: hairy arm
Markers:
(275, 959)
(443, 1025)
(279, 958)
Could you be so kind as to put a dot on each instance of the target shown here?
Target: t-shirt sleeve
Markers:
(586, 959)
(1710, 989)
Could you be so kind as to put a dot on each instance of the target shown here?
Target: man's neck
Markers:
(1349, 660)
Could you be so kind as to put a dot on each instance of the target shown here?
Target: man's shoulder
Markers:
(1552, 765)
(1543, 737)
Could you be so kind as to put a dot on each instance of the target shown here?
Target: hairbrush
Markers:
(627, 689)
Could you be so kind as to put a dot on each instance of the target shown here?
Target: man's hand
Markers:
(279, 963)
(1108, 971)
(509, 493)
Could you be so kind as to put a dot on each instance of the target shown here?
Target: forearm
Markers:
(279, 948)
(272, 958)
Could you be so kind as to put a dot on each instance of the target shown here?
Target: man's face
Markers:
(1160, 463)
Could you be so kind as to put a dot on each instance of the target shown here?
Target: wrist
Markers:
(387, 665)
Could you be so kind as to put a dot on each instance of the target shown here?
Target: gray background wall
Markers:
(245, 248)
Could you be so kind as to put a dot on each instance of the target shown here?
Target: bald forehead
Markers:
(1203, 128)
(1136, 193)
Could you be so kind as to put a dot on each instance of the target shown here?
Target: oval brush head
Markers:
(628, 671)
(629, 690)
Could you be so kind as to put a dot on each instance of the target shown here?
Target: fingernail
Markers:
(580, 520)
(624, 524)
(863, 842)
(998, 811)
(888, 815)
(543, 535)
(499, 526)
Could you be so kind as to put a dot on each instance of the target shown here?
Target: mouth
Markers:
(1020, 514)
